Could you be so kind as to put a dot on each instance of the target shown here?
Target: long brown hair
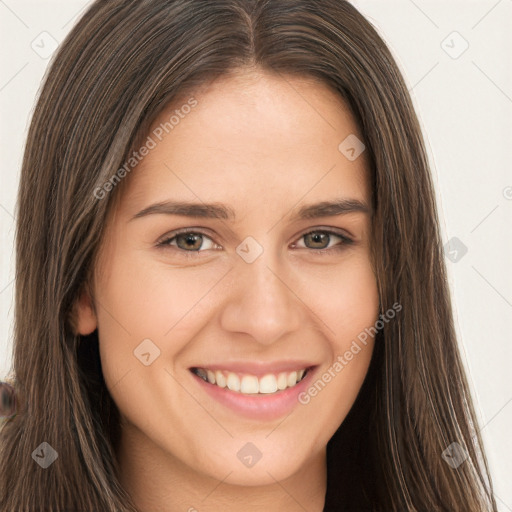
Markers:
(119, 67)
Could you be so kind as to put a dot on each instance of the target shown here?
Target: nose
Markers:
(261, 301)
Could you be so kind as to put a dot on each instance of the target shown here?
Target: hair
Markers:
(120, 66)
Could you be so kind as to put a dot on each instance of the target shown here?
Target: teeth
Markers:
(268, 384)
(201, 373)
(250, 384)
(282, 381)
(220, 379)
(292, 379)
(233, 382)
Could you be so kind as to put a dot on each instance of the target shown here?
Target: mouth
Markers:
(248, 384)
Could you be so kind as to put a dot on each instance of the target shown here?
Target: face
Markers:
(227, 294)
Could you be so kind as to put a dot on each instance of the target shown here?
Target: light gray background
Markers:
(464, 100)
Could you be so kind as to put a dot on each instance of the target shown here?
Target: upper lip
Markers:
(257, 368)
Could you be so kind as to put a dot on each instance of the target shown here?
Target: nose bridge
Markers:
(261, 303)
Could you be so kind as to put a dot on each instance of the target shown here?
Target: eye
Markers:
(321, 239)
(189, 241)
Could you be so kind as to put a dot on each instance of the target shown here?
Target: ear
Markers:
(84, 320)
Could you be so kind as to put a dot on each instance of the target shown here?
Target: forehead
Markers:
(248, 137)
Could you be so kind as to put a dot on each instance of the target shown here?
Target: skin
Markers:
(274, 140)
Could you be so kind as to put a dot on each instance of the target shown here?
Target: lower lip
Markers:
(262, 406)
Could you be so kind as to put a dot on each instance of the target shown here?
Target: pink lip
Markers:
(258, 407)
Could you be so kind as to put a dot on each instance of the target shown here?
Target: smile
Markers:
(250, 384)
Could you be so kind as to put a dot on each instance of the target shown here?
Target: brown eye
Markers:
(317, 240)
(321, 240)
(188, 241)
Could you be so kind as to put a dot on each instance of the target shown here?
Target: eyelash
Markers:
(166, 242)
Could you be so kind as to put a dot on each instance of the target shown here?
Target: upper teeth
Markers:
(250, 384)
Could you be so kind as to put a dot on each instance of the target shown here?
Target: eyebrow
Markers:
(221, 211)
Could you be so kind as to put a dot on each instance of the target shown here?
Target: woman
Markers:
(193, 170)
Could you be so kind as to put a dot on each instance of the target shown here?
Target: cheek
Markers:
(142, 300)
(345, 299)
(348, 306)
(332, 393)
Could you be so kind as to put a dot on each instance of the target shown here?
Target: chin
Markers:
(253, 467)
